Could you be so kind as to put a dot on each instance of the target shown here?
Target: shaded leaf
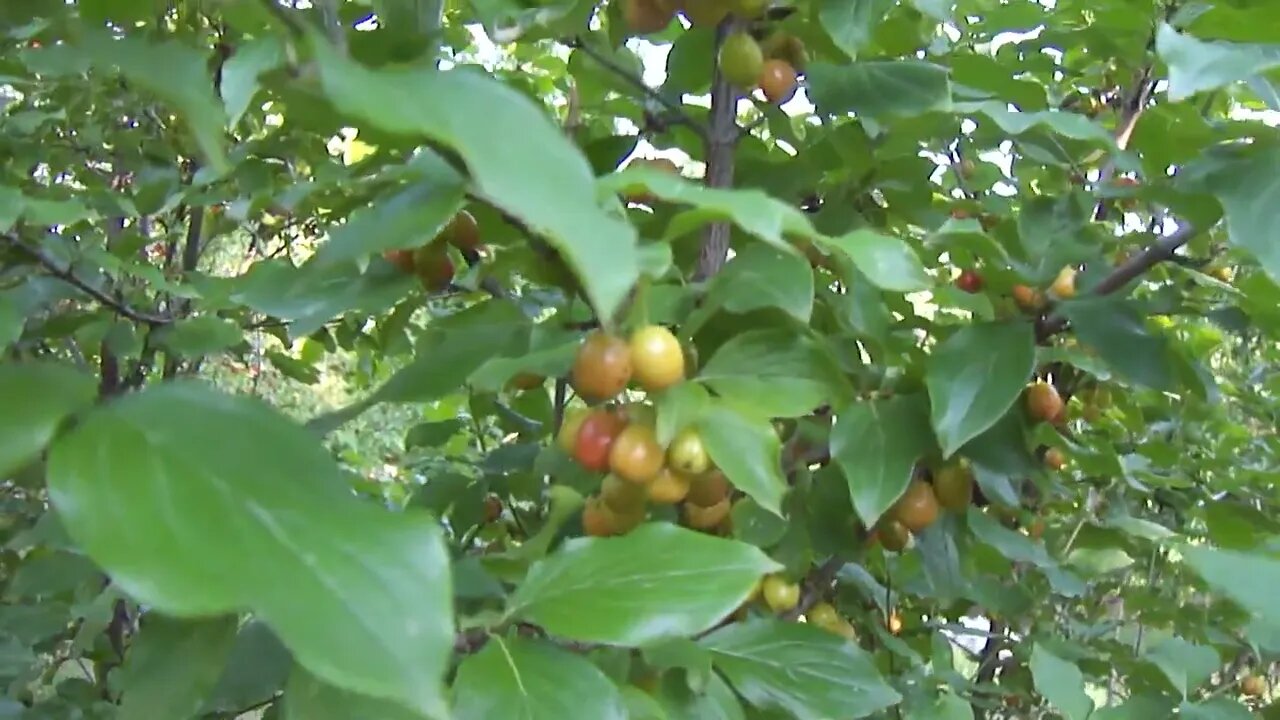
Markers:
(1248, 187)
(761, 276)
(876, 444)
(879, 88)
(533, 680)
(1120, 335)
(172, 666)
(199, 336)
(306, 697)
(975, 376)
(775, 372)
(747, 450)
(850, 23)
(37, 398)
(1061, 683)
(1247, 578)
(241, 71)
(257, 669)
(1185, 664)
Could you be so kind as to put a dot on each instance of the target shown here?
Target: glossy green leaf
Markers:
(199, 336)
(256, 670)
(798, 669)
(359, 594)
(1196, 65)
(1218, 708)
(776, 372)
(975, 376)
(879, 88)
(888, 262)
(38, 397)
(1061, 683)
(311, 295)
(1186, 664)
(850, 23)
(714, 702)
(876, 444)
(533, 680)
(543, 179)
(172, 665)
(306, 697)
(408, 219)
(1247, 578)
(760, 276)
(1116, 330)
(186, 83)
(747, 450)
(658, 581)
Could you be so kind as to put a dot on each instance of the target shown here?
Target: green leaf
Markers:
(851, 23)
(678, 407)
(197, 337)
(1196, 65)
(1066, 124)
(37, 398)
(876, 444)
(777, 372)
(533, 680)
(306, 697)
(888, 262)
(659, 581)
(753, 524)
(12, 206)
(554, 361)
(1117, 331)
(1061, 683)
(801, 670)
(172, 665)
(256, 670)
(186, 83)
(543, 180)
(1218, 708)
(944, 707)
(760, 276)
(214, 524)
(1011, 544)
(315, 293)
(747, 450)
(1248, 579)
(241, 71)
(1248, 186)
(715, 702)
(879, 88)
(1187, 665)
(408, 219)
(975, 376)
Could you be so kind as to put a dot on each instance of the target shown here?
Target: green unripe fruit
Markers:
(741, 60)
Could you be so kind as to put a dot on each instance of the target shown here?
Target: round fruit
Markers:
(961, 214)
(657, 359)
(823, 615)
(1222, 273)
(741, 60)
(1253, 686)
(622, 497)
(1035, 530)
(1054, 459)
(788, 47)
(433, 267)
(492, 508)
(567, 439)
(917, 509)
(894, 625)
(778, 81)
(845, 630)
(704, 13)
(602, 367)
(597, 520)
(953, 485)
(1064, 286)
(892, 534)
(402, 259)
(1043, 401)
(1028, 298)
(647, 16)
(639, 193)
(687, 454)
(525, 381)
(709, 489)
(706, 518)
(595, 439)
(970, 281)
(669, 487)
(748, 9)
(463, 232)
(780, 594)
(636, 455)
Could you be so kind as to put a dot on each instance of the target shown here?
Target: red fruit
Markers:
(970, 281)
(595, 439)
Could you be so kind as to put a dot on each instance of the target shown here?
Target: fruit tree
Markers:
(648, 359)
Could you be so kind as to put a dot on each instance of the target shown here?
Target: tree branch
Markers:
(720, 140)
(1134, 105)
(65, 274)
(816, 584)
(676, 110)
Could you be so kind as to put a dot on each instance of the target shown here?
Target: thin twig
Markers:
(816, 586)
(676, 109)
(65, 274)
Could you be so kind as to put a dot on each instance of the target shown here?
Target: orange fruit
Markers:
(602, 367)
(705, 518)
(1043, 402)
(636, 455)
(669, 487)
(777, 81)
(917, 509)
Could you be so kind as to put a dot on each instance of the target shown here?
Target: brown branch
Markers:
(1134, 105)
(66, 275)
(816, 584)
(720, 140)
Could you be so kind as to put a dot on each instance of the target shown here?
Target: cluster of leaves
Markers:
(865, 278)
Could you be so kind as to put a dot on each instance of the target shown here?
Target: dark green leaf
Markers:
(876, 444)
(799, 669)
(761, 276)
(241, 71)
(714, 702)
(1120, 335)
(533, 680)
(256, 670)
(850, 23)
(37, 398)
(1219, 708)
(368, 604)
(172, 666)
(1185, 664)
(747, 450)
(408, 219)
(678, 407)
(879, 88)
(199, 336)
(306, 697)
(975, 376)
(775, 373)
(656, 582)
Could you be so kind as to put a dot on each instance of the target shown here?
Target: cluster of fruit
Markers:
(773, 66)
(1028, 298)
(782, 595)
(947, 487)
(431, 262)
(621, 440)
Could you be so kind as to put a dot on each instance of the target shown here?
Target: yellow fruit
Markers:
(687, 454)
(635, 455)
(917, 509)
(657, 359)
(845, 630)
(780, 594)
(1043, 402)
(1064, 286)
(668, 488)
(1222, 273)
(705, 518)
(741, 60)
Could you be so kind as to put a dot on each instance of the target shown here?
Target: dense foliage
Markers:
(720, 359)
